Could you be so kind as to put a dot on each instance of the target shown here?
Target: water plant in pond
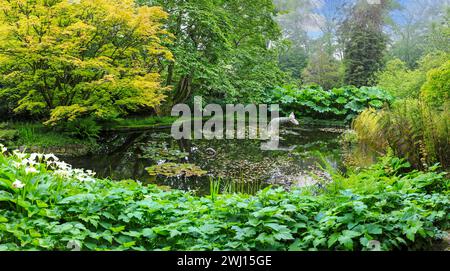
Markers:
(240, 186)
(214, 188)
(176, 170)
(157, 151)
(128, 154)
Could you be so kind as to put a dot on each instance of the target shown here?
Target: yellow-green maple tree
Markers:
(63, 59)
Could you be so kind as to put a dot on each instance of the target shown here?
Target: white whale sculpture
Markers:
(274, 133)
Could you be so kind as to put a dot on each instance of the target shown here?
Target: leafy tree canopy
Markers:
(222, 49)
(75, 58)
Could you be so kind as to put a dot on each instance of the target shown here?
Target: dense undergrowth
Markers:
(45, 204)
(34, 134)
(78, 132)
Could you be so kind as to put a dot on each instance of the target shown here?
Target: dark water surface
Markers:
(240, 164)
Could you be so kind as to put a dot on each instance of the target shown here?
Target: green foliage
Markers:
(71, 59)
(338, 103)
(424, 31)
(52, 205)
(402, 82)
(220, 49)
(293, 60)
(437, 38)
(364, 43)
(176, 170)
(323, 70)
(138, 123)
(86, 128)
(7, 135)
(38, 135)
(436, 90)
(411, 128)
(363, 57)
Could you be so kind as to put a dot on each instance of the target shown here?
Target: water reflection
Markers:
(127, 155)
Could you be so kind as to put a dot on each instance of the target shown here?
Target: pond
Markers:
(240, 165)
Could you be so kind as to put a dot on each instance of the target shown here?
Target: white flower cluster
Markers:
(32, 161)
(65, 170)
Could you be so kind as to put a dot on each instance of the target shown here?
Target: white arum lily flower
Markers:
(78, 171)
(32, 162)
(28, 162)
(33, 157)
(52, 156)
(90, 172)
(63, 165)
(85, 179)
(18, 184)
(19, 155)
(29, 170)
(3, 149)
(16, 164)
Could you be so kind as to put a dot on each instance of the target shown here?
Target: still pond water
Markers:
(241, 165)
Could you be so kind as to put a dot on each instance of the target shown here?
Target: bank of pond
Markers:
(46, 204)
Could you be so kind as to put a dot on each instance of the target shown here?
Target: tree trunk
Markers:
(170, 74)
(183, 90)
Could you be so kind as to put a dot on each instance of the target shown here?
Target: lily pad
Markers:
(176, 170)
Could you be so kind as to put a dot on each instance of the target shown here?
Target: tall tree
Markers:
(364, 42)
(439, 36)
(293, 59)
(220, 48)
(333, 15)
(413, 30)
(76, 58)
(297, 18)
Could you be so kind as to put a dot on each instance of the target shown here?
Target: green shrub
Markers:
(399, 81)
(338, 103)
(324, 70)
(7, 136)
(45, 206)
(86, 128)
(390, 173)
(402, 82)
(38, 135)
(436, 90)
